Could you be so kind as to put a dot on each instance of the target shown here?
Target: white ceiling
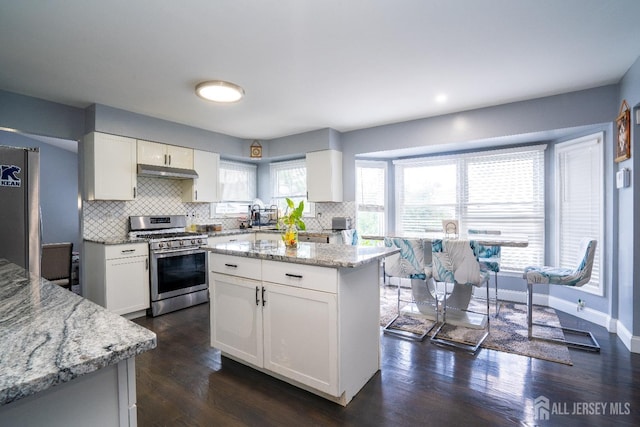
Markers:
(311, 64)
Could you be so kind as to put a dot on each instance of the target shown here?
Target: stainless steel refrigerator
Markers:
(20, 206)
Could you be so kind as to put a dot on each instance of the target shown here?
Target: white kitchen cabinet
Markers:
(324, 176)
(285, 324)
(109, 167)
(300, 334)
(205, 187)
(117, 277)
(236, 317)
(155, 153)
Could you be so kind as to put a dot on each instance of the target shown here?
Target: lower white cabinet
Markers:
(284, 319)
(117, 277)
(301, 336)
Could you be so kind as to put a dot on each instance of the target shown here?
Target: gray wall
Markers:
(40, 117)
(627, 220)
(58, 189)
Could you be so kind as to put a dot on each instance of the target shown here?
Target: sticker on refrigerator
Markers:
(9, 176)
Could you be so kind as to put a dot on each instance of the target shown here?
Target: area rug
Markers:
(508, 331)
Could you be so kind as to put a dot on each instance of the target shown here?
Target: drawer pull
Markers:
(263, 300)
(231, 265)
(127, 251)
(297, 276)
(257, 298)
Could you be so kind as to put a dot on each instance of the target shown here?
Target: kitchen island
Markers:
(63, 359)
(308, 316)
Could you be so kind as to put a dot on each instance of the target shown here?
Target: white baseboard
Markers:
(631, 342)
(588, 314)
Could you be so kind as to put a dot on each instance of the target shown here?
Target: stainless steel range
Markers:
(178, 267)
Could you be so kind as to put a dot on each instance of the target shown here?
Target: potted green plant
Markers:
(291, 222)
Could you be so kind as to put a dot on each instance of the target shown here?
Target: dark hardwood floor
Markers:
(184, 382)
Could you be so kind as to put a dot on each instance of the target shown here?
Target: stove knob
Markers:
(168, 244)
(181, 242)
(193, 241)
(160, 244)
(199, 241)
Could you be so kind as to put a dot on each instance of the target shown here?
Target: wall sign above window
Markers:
(256, 150)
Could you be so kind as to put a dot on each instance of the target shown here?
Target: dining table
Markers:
(428, 294)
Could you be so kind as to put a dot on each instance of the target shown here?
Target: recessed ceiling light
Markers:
(441, 98)
(219, 91)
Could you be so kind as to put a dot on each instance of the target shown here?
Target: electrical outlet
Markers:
(581, 304)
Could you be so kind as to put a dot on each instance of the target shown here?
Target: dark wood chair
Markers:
(56, 263)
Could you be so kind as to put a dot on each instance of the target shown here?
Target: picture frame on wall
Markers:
(623, 134)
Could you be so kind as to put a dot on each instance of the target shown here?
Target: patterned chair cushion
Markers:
(455, 262)
(410, 264)
(566, 276)
(488, 256)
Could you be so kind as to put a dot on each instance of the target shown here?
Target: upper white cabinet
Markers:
(324, 176)
(109, 167)
(154, 153)
(205, 187)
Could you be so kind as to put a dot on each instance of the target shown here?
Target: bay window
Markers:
(493, 190)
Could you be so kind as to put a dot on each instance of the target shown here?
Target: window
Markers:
(238, 188)
(579, 202)
(289, 180)
(494, 190)
(371, 187)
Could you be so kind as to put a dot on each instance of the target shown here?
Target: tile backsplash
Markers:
(103, 219)
(156, 196)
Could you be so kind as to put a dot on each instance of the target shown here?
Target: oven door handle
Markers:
(177, 251)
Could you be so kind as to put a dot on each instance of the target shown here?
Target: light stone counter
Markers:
(51, 336)
(320, 254)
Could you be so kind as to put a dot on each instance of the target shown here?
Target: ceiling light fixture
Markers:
(441, 98)
(219, 91)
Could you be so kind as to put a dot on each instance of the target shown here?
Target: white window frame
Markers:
(373, 208)
(534, 253)
(277, 198)
(566, 250)
(239, 206)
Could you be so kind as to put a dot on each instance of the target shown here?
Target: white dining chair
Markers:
(454, 263)
(575, 277)
(488, 257)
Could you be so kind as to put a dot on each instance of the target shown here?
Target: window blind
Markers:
(493, 190)
(579, 201)
(289, 180)
(238, 181)
(370, 197)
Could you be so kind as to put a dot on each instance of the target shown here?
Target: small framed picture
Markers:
(450, 227)
(623, 134)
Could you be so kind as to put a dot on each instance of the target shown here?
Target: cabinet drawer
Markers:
(322, 279)
(126, 250)
(235, 266)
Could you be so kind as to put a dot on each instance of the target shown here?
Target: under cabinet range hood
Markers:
(166, 172)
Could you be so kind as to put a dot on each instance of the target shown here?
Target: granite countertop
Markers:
(232, 231)
(50, 335)
(123, 240)
(321, 254)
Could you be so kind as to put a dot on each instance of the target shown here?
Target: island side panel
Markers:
(359, 324)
